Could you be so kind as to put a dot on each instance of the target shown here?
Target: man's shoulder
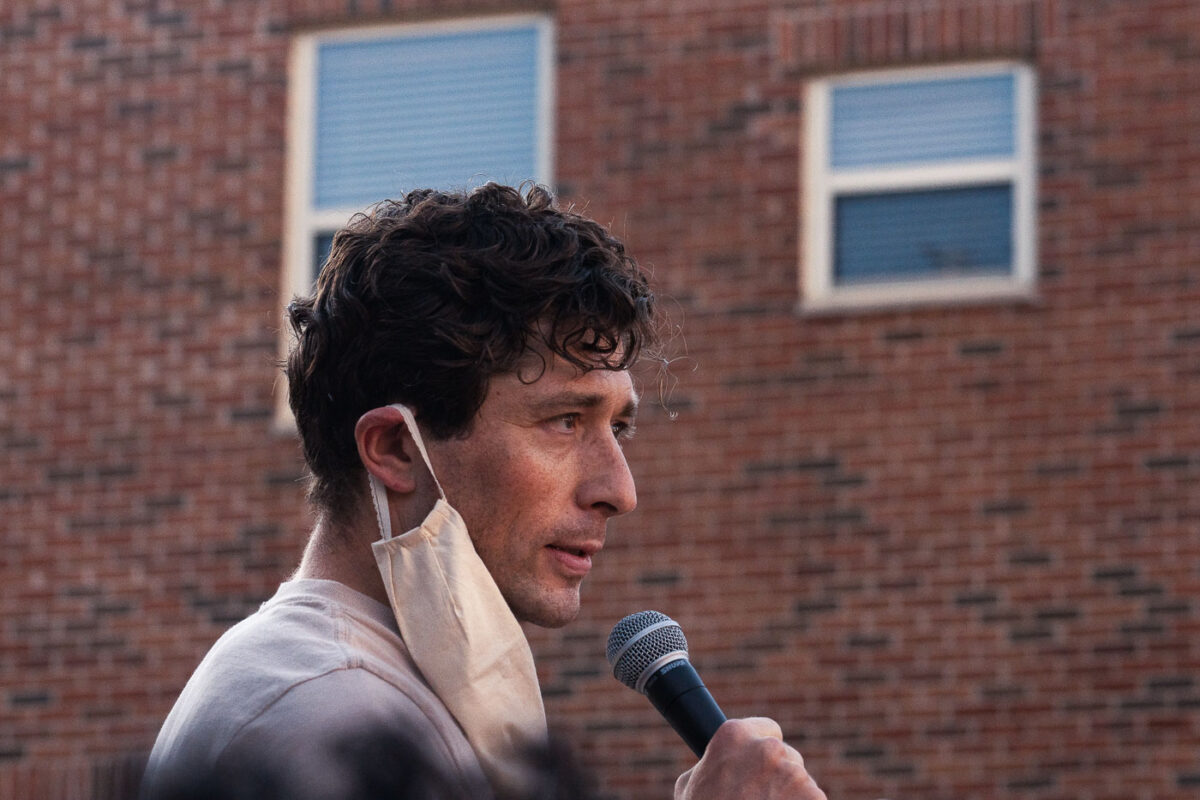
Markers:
(307, 632)
(308, 731)
(293, 637)
(306, 661)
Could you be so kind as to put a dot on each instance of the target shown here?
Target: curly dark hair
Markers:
(424, 299)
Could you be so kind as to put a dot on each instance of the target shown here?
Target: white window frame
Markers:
(822, 185)
(302, 221)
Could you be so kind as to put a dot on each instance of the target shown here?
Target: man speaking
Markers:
(460, 384)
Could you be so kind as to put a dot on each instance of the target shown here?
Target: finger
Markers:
(759, 727)
(681, 783)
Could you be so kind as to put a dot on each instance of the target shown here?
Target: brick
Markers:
(951, 547)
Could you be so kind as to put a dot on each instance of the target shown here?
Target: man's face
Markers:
(538, 478)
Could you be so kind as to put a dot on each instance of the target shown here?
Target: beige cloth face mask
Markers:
(462, 634)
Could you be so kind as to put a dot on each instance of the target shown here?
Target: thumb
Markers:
(681, 783)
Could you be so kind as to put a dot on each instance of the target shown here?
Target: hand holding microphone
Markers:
(741, 758)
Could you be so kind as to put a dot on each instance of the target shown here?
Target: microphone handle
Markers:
(682, 698)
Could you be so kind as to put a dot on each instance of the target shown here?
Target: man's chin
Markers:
(548, 612)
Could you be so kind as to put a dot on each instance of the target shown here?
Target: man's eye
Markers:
(623, 430)
(566, 422)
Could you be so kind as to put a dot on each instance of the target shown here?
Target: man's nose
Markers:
(607, 483)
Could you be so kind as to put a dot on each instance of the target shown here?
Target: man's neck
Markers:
(341, 551)
(342, 556)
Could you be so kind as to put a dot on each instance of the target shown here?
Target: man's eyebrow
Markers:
(570, 399)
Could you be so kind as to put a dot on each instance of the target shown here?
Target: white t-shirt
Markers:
(317, 663)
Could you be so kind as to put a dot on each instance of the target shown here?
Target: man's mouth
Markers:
(574, 560)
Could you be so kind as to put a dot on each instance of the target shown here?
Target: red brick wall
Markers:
(954, 550)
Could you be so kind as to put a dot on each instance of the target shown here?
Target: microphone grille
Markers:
(639, 640)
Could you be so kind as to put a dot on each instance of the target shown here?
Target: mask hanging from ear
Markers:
(461, 633)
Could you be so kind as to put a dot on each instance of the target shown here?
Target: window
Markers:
(375, 112)
(919, 186)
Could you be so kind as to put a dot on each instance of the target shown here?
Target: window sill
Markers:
(899, 296)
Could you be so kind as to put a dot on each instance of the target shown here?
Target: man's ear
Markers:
(387, 449)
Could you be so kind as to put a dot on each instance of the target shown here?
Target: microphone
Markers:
(648, 653)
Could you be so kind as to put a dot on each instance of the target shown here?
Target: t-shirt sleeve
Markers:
(346, 733)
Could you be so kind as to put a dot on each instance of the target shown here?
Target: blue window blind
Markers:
(933, 233)
(450, 110)
(923, 121)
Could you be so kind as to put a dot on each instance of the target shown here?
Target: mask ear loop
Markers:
(379, 500)
(379, 497)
